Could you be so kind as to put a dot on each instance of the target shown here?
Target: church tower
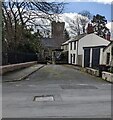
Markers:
(58, 33)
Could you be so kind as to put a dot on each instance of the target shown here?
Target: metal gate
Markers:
(86, 57)
(95, 57)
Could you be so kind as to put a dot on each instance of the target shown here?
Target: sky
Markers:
(94, 8)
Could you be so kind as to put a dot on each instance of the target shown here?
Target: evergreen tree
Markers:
(99, 24)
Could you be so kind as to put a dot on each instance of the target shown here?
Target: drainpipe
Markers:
(90, 64)
(77, 52)
(111, 63)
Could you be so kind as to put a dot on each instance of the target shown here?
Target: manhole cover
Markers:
(43, 98)
(78, 87)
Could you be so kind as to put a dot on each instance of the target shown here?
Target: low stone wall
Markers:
(92, 71)
(107, 76)
(8, 68)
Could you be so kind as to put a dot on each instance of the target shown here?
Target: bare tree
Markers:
(86, 14)
(75, 25)
(85, 19)
(23, 14)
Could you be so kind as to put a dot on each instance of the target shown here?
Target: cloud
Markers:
(99, 1)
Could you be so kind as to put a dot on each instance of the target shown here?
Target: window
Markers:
(71, 46)
(75, 45)
(73, 58)
(108, 58)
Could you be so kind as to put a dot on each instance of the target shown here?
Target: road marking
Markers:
(32, 85)
(82, 84)
(18, 85)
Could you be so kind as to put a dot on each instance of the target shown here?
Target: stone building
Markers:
(58, 33)
(54, 43)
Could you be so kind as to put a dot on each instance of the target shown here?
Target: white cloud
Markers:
(100, 1)
(110, 27)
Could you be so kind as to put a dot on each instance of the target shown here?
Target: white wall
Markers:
(101, 56)
(65, 47)
(73, 51)
(107, 50)
(90, 40)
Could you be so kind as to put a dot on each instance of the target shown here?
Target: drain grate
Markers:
(44, 98)
(78, 87)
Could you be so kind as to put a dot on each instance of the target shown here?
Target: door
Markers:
(95, 57)
(71, 58)
(86, 57)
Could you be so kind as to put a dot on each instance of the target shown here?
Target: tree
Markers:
(74, 25)
(99, 24)
(86, 14)
(77, 24)
(18, 20)
(19, 16)
(85, 19)
(66, 35)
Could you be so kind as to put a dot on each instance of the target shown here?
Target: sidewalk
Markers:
(77, 68)
(21, 74)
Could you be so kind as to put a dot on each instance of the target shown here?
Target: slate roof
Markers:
(48, 42)
(74, 38)
(78, 37)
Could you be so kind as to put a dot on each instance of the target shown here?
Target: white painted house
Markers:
(108, 55)
(86, 50)
(65, 46)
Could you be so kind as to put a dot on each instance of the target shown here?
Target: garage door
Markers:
(95, 57)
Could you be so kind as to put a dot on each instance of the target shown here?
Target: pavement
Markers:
(21, 74)
(57, 91)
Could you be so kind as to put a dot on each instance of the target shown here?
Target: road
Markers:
(68, 93)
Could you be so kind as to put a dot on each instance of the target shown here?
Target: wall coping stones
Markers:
(8, 68)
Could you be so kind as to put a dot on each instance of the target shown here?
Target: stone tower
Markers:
(58, 32)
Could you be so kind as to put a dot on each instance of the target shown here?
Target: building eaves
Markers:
(111, 43)
(78, 37)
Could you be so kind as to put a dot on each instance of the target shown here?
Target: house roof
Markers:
(77, 38)
(111, 43)
(48, 42)
(74, 39)
(66, 42)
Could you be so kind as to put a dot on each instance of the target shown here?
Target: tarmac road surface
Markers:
(57, 91)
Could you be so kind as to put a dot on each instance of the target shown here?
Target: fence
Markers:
(17, 57)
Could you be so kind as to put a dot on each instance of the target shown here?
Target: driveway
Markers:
(57, 91)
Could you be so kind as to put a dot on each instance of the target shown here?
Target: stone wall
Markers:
(58, 33)
(8, 68)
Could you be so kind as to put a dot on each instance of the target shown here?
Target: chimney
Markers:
(90, 29)
(108, 36)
